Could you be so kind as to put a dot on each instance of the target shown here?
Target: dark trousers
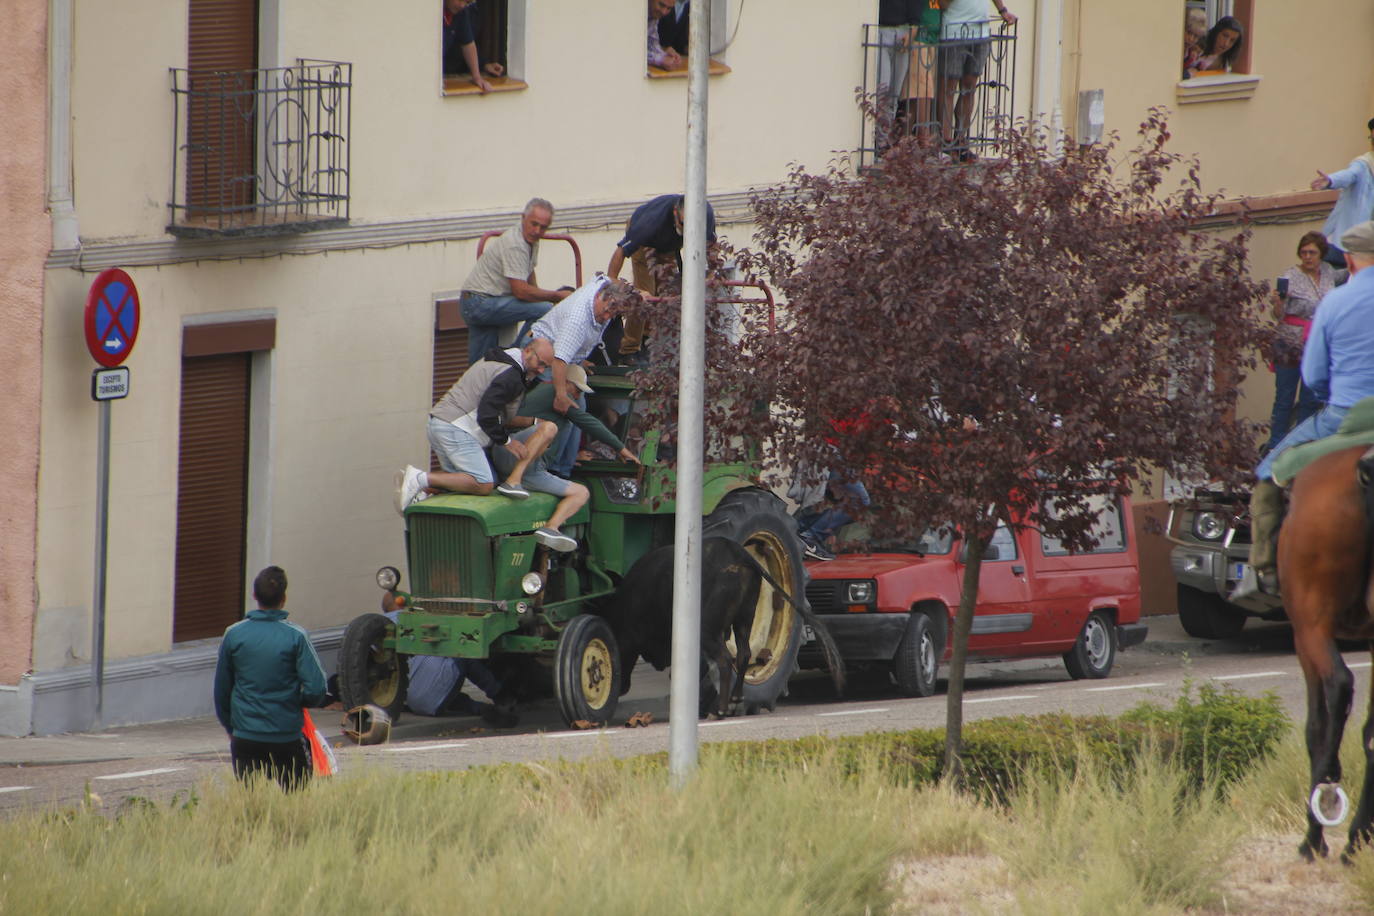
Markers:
(287, 762)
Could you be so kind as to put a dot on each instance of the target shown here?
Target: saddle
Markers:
(1356, 429)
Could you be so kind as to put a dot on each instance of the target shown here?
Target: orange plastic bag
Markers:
(322, 759)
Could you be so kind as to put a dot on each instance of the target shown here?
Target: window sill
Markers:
(657, 73)
(1224, 87)
(463, 85)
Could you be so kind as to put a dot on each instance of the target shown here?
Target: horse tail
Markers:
(834, 662)
(1364, 475)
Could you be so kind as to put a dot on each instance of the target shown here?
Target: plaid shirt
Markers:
(572, 324)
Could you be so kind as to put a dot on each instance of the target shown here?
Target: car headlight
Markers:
(860, 592)
(532, 583)
(388, 577)
(1209, 526)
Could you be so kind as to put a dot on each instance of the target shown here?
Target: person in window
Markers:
(1356, 203)
(1194, 34)
(1221, 46)
(659, 56)
(673, 27)
(1307, 282)
(460, 43)
(964, 46)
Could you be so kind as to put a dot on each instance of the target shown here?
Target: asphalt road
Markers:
(161, 762)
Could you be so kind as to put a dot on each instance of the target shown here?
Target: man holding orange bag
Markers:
(266, 675)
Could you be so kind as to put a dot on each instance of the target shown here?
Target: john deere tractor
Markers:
(482, 587)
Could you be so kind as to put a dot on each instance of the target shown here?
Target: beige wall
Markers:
(23, 150)
(589, 128)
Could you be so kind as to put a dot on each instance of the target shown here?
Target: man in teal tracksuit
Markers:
(267, 672)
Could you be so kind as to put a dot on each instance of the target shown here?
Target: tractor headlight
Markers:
(861, 592)
(532, 583)
(388, 577)
(1209, 526)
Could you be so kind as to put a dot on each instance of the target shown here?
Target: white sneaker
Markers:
(407, 487)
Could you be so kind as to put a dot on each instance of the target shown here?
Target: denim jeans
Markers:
(1287, 385)
(562, 453)
(485, 316)
(818, 526)
(1321, 424)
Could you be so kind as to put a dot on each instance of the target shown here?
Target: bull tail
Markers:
(834, 662)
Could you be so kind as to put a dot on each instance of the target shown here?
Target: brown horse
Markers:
(1325, 551)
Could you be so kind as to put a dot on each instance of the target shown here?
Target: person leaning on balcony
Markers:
(1220, 47)
(1356, 203)
(653, 236)
(266, 673)
(1338, 365)
(907, 31)
(478, 411)
(659, 56)
(460, 34)
(538, 405)
(964, 47)
(501, 288)
(675, 26)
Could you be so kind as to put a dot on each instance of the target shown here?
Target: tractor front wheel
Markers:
(586, 671)
(370, 672)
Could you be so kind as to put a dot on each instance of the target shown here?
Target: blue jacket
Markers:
(1356, 203)
(1338, 360)
(267, 671)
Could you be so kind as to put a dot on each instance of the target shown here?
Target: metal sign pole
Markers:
(682, 706)
(102, 517)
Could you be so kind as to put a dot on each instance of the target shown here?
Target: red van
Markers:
(894, 608)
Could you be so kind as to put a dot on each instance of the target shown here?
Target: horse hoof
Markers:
(1329, 804)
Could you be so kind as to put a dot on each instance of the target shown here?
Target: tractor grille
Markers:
(450, 556)
(824, 595)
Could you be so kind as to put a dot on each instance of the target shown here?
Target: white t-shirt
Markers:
(965, 20)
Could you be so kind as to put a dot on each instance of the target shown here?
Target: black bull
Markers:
(641, 613)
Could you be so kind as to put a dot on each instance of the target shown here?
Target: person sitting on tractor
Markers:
(1338, 365)
(477, 412)
(539, 406)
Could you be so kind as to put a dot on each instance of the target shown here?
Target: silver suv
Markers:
(1211, 537)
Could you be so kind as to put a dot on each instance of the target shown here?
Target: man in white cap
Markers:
(1338, 365)
(539, 406)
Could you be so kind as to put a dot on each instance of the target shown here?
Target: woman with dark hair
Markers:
(1300, 288)
(1222, 44)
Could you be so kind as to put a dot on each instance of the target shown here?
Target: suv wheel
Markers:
(1208, 616)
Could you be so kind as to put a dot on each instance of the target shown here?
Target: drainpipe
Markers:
(61, 204)
(1046, 102)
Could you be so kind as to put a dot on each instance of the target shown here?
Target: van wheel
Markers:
(369, 672)
(917, 658)
(1095, 651)
(1208, 616)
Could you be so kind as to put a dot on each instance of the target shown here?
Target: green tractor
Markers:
(483, 587)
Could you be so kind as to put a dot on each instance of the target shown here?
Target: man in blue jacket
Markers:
(267, 673)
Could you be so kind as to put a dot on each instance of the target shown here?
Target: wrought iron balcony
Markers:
(908, 94)
(259, 152)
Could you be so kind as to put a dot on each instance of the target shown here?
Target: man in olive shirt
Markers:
(539, 405)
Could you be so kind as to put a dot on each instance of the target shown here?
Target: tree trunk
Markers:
(963, 624)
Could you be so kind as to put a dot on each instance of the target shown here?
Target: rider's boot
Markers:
(1266, 511)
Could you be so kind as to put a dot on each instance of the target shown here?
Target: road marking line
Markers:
(1358, 664)
(425, 747)
(580, 734)
(716, 722)
(1019, 696)
(15, 788)
(137, 773)
(1242, 677)
(854, 712)
(1127, 686)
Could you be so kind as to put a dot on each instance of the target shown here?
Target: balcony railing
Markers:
(903, 77)
(258, 152)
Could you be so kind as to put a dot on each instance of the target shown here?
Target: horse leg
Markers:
(1330, 689)
(1362, 828)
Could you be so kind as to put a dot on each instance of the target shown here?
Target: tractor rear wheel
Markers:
(757, 519)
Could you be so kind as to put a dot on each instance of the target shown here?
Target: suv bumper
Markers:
(861, 637)
(1131, 634)
(1216, 570)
